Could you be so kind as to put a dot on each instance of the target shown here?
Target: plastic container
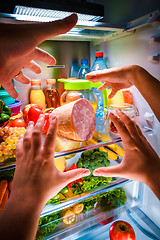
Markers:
(99, 64)
(75, 89)
(84, 69)
(130, 110)
(36, 94)
(6, 98)
(51, 94)
(15, 107)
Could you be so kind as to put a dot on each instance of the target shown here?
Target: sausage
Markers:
(76, 120)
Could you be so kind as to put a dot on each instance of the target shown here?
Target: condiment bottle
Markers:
(36, 93)
(51, 94)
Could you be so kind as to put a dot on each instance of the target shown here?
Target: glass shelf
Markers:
(9, 165)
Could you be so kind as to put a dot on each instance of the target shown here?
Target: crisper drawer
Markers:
(100, 207)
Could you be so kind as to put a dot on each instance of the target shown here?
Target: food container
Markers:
(130, 110)
(76, 89)
(6, 98)
(15, 107)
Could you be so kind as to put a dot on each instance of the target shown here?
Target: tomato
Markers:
(25, 112)
(18, 123)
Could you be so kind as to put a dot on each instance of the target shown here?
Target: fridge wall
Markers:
(136, 49)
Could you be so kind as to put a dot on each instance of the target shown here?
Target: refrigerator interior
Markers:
(142, 207)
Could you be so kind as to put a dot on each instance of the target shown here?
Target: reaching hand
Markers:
(18, 48)
(140, 162)
(116, 78)
(36, 177)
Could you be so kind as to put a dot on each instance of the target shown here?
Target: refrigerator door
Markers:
(138, 48)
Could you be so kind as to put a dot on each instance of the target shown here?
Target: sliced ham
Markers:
(76, 120)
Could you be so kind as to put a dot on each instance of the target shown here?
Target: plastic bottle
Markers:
(36, 93)
(99, 64)
(51, 94)
(74, 69)
(84, 69)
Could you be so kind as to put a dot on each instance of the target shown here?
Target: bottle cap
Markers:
(35, 82)
(99, 54)
(51, 81)
(84, 61)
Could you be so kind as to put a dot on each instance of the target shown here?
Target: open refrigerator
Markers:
(136, 43)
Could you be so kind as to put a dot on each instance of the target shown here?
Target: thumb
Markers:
(43, 31)
(75, 174)
(109, 171)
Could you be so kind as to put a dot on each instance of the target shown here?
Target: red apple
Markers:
(121, 230)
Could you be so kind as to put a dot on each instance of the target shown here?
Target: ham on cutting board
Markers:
(76, 120)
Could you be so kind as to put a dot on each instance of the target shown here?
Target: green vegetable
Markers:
(47, 225)
(5, 112)
(55, 199)
(64, 190)
(77, 188)
(109, 200)
(7, 174)
(93, 159)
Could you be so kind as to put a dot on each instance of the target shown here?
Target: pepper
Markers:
(5, 112)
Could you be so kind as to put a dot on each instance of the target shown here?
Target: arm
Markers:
(125, 77)
(18, 48)
(36, 180)
(140, 162)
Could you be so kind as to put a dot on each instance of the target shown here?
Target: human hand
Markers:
(36, 178)
(18, 48)
(117, 78)
(140, 162)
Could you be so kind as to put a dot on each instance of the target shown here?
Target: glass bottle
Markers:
(36, 93)
(51, 94)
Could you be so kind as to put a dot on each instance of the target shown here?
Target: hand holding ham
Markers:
(18, 48)
(140, 162)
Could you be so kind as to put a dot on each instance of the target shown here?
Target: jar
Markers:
(130, 110)
(76, 89)
(51, 94)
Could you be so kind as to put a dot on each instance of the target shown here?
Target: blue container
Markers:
(6, 98)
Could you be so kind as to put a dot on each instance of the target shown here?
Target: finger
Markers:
(122, 129)
(10, 89)
(49, 144)
(36, 140)
(112, 94)
(131, 125)
(97, 76)
(20, 77)
(19, 148)
(27, 137)
(43, 31)
(104, 86)
(33, 66)
(42, 56)
(75, 174)
(109, 171)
